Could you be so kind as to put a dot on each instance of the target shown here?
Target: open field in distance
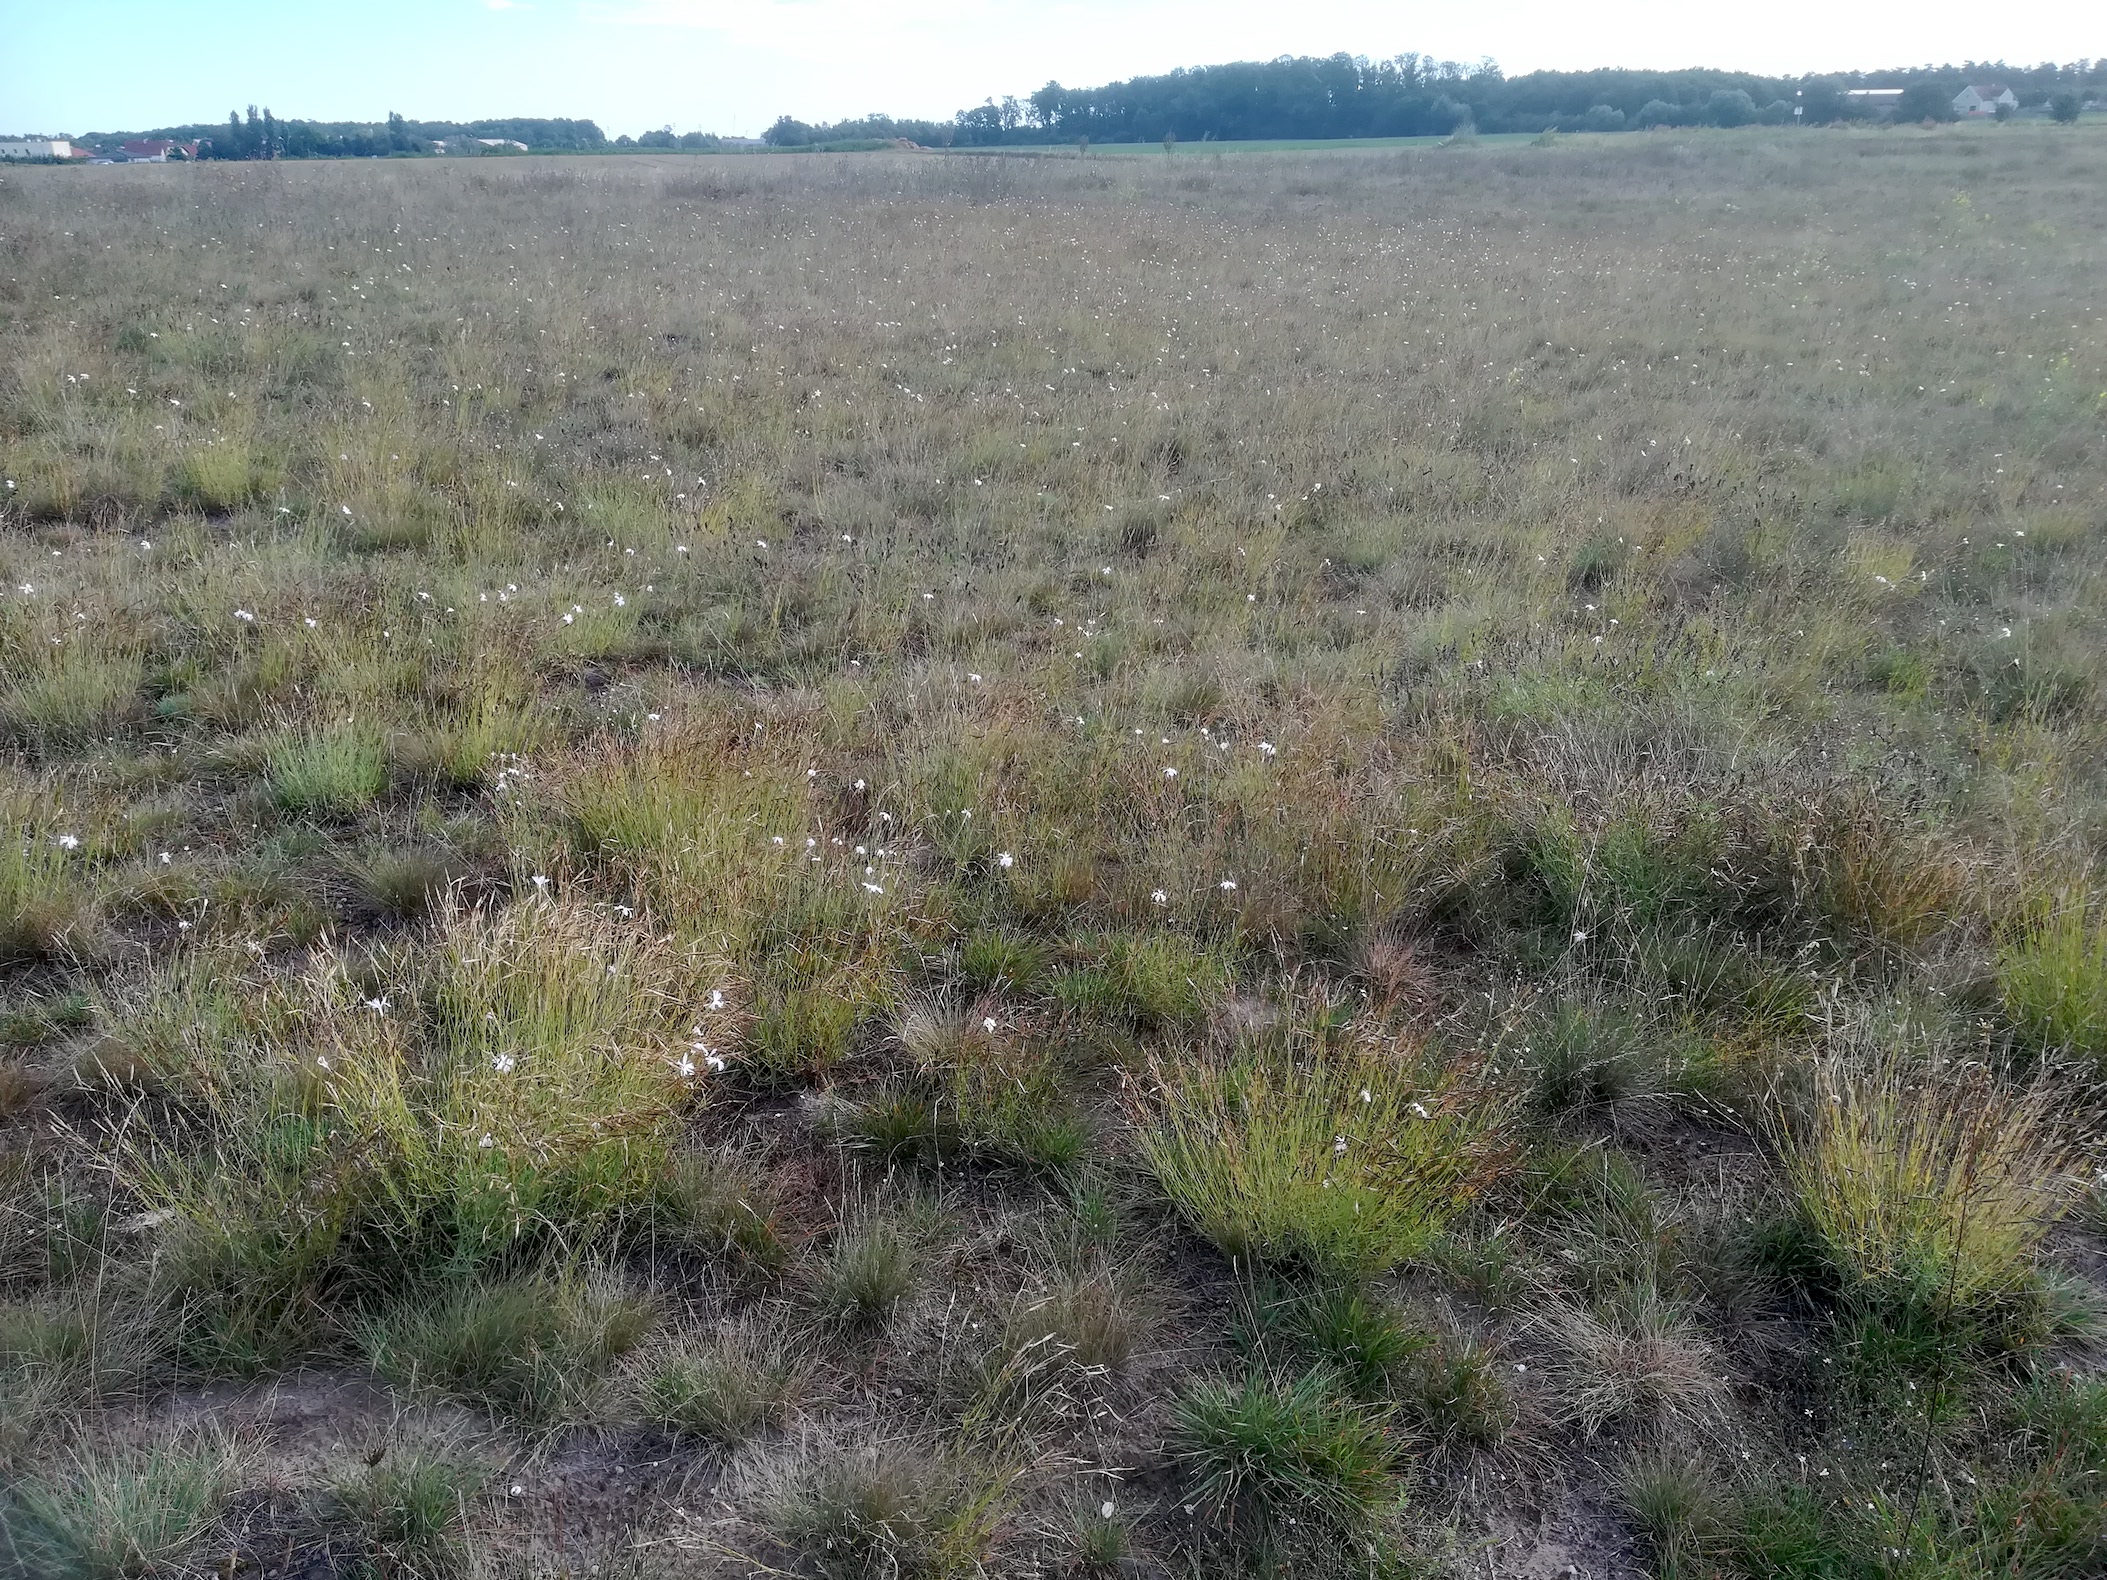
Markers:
(1320, 864)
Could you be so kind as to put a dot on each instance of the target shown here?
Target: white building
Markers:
(35, 148)
(1984, 99)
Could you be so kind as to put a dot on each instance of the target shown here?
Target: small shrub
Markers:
(1157, 982)
(1350, 1163)
(331, 773)
(803, 1032)
(535, 1349)
(1927, 1184)
(118, 1514)
(1262, 1448)
(221, 477)
(991, 961)
(1587, 1062)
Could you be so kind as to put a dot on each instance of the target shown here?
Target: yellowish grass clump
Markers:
(2054, 972)
(1350, 1159)
(1931, 1183)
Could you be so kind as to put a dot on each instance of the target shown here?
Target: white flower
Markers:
(541, 882)
(1338, 1146)
(873, 888)
(1367, 1096)
(1580, 937)
(322, 1060)
(684, 1067)
(1159, 897)
(379, 1006)
(487, 1142)
(244, 616)
(67, 842)
(716, 998)
(1170, 773)
(502, 1063)
(1268, 749)
(1005, 861)
(1228, 885)
(988, 1025)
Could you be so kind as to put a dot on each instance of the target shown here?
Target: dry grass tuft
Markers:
(1931, 1184)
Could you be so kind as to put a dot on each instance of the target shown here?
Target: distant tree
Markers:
(661, 138)
(1775, 113)
(1821, 102)
(1603, 118)
(1924, 101)
(1659, 112)
(1730, 107)
(787, 133)
(2065, 108)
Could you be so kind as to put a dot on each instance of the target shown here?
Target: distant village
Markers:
(162, 150)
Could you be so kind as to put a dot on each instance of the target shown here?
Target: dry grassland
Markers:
(1378, 863)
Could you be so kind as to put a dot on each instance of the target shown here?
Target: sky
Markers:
(733, 66)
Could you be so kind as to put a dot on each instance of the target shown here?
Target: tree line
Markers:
(1337, 96)
(262, 135)
(1342, 96)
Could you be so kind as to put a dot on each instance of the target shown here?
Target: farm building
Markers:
(1985, 99)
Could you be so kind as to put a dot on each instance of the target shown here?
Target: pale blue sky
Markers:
(734, 65)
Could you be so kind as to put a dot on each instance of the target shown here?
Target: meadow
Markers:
(1371, 864)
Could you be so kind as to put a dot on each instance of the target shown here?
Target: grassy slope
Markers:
(1049, 866)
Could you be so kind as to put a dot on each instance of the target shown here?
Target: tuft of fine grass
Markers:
(328, 773)
(2053, 970)
(873, 1264)
(409, 1511)
(43, 897)
(888, 1509)
(1635, 1358)
(1261, 1448)
(725, 1389)
(1929, 1185)
(117, 1514)
(1350, 1162)
(539, 1350)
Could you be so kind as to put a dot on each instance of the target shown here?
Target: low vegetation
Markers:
(1369, 863)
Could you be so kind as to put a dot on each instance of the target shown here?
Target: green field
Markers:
(1374, 862)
